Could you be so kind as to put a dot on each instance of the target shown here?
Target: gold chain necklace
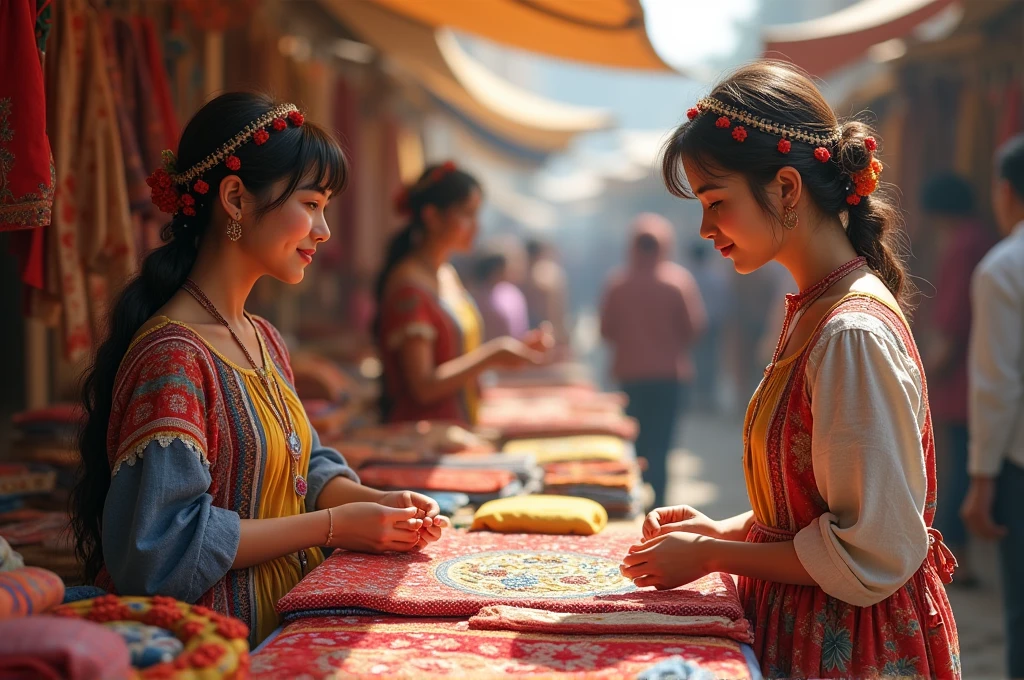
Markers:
(272, 387)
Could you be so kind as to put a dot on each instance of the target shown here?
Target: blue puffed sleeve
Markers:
(162, 535)
(324, 465)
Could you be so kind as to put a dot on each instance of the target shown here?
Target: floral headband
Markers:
(166, 182)
(401, 200)
(862, 183)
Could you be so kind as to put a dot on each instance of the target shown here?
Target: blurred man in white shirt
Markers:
(994, 507)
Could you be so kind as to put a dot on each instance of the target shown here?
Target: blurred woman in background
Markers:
(428, 328)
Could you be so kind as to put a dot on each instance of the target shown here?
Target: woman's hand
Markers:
(683, 518)
(431, 522)
(511, 353)
(668, 561)
(542, 338)
(376, 528)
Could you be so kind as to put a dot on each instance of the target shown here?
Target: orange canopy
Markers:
(599, 32)
(841, 38)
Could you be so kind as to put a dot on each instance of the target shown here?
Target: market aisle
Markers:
(705, 471)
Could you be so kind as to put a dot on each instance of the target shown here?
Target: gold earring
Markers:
(790, 219)
(234, 228)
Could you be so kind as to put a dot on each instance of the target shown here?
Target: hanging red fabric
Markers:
(26, 166)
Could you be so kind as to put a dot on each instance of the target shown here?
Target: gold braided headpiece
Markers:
(764, 125)
(174, 191)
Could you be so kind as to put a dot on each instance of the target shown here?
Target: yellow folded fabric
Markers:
(541, 515)
(561, 449)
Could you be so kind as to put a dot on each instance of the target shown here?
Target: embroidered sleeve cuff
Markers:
(815, 549)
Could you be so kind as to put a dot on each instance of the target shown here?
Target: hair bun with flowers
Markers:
(402, 202)
(175, 192)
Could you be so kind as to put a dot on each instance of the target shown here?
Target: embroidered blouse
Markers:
(453, 327)
(194, 448)
(865, 452)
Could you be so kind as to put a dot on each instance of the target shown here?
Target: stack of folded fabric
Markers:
(489, 605)
(407, 443)
(43, 538)
(480, 485)
(616, 485)
(601, 468)
(555, 412)
(43, 458)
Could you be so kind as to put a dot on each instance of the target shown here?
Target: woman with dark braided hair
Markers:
(202, 476)
(839, 567)
(428, 328)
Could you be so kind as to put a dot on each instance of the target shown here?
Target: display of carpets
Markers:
(43, 458)
(468, 571)
(396, 647)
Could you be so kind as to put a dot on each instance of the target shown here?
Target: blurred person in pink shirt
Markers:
(502, 305)
(652, 315)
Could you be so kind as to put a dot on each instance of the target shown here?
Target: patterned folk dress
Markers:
(194, 448)
(840, 460)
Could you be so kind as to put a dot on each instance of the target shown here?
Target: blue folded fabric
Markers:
(76, 593)
(675, 668)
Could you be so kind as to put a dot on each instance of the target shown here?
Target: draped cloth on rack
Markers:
(90, 249)
(26, 167)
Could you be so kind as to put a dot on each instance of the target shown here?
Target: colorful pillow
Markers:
(560, 515)
(29, 590)
(148, 645)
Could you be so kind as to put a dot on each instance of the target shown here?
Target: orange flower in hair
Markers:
(784, 146)
(739, 133)
(692, 112)
(722, 122)
(822, 154)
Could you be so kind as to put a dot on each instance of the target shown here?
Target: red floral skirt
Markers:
(801, 632)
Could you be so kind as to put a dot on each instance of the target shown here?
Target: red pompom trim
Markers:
(200, 187)
(233, 162)
(260, 137)
(722, 122)
(822, 154)
(870, 144)
(296, 118)
(279, 124)
(853, 199)
(739, 133)
(692, 113)
(784, 146)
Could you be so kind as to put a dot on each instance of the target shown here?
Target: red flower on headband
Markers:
(279, 124)
(853, 199)
(296, 118)
(739, 133)
(200, 187)
(401, 202)
(692, 113)
(722, 122)
(162, 192)
(876, 166)
(189, 210)
(822, 154)
(260, 137)
(442, 170)
(870, 144)
(784, 146)
(233, 163)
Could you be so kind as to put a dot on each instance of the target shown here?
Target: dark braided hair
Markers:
(779, 93)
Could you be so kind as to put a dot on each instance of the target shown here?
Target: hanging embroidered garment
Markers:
(26, 165)
(91, 246)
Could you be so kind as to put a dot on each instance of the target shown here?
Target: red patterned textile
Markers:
(502, 617)
(435, 478)
(468, 571)
(26, 169)
(28, 591)
(394, 647)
